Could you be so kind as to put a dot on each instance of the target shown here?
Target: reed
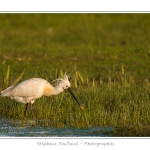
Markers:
(118, 102)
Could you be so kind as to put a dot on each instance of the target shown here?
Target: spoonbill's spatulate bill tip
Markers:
(82, 107)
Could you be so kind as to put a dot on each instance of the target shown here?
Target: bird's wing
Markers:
(27, 88)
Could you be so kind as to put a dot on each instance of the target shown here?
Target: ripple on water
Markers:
(15, 129)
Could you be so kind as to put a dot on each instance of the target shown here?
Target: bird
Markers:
(31, 89)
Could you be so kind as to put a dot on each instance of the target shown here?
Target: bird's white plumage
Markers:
(34, 88)
(27, 91)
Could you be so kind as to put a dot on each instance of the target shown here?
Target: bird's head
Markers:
(65, 84)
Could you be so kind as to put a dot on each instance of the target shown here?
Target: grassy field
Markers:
(107, 55)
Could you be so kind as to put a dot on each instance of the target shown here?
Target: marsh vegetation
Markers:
(106, 54)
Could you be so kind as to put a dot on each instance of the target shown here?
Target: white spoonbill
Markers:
(29, 90)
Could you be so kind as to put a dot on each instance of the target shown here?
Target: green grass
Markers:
(107, 55)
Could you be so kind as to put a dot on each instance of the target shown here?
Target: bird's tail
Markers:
(6, 92)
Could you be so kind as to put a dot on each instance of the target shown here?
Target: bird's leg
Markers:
(31, 107)
(26, 109)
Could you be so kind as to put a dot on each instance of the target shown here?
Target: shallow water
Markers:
(15, 129)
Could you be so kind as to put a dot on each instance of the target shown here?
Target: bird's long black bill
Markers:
(70, 90)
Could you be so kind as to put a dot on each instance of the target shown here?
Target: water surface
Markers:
(15, 129)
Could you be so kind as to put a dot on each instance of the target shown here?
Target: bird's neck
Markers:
(57, 89)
